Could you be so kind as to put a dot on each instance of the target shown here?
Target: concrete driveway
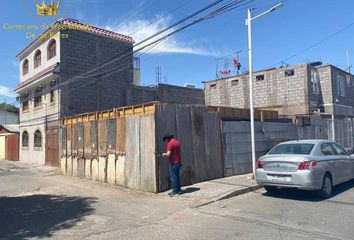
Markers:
(36, 202)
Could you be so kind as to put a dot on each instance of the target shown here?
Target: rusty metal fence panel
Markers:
(94, 139)
(63, 141)
(80, 140)
(74, 140)
(111, 131)
(102, 139)
(199, 133)
(68, 140)
(87, 140)
(121, 138)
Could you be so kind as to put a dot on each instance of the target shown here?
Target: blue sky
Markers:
(189, 56)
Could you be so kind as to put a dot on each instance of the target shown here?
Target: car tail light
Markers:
(259, 164)
(307, 165)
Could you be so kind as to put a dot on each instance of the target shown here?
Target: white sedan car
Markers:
(305, 164)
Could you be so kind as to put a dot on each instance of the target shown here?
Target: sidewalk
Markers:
(219, 189)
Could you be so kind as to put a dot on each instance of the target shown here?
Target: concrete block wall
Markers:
(137, 95)
(326, 87)
(286, 94)
(343, 106)
(237, 143)
(182, 95)
(310, 89)
(164, 93)
(103, 89)
(227, 92)
(237, 140)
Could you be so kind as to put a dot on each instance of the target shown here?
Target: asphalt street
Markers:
(38, 202)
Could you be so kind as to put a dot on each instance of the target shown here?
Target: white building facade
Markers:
(48, 92)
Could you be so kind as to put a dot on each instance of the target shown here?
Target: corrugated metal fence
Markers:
(118, 151)
(123, 150)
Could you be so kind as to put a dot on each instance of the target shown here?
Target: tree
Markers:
(9, 108)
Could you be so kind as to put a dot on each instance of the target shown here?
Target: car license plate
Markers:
(279, 178)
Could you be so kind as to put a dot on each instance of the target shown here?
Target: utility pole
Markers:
(5, 113)
(249, 20)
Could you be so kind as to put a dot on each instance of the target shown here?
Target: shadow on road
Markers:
(40, 215)
(190, 190)
(313, 196)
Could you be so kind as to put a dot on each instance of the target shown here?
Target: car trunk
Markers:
(282, 163)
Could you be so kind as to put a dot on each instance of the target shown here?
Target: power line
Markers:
(157, 19)
(210, 15)
(215, 13)
(315, 44)
(156, 34)
(219, 11)
(129, 16)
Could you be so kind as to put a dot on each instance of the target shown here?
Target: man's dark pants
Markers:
(174, 174)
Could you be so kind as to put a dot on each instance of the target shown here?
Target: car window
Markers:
(339, 149)
(326, 149)
(294, 148)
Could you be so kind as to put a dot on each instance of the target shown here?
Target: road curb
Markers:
(232, 194)
(239, 192)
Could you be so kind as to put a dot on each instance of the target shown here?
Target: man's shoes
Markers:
(173, 194)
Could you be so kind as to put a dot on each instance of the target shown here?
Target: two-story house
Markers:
(302, 89)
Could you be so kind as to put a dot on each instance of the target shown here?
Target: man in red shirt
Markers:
(174, 158)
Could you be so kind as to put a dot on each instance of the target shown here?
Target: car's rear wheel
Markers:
(270, 189)
(327, 187)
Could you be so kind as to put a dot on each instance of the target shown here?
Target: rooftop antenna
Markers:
(226, 71)
(158, 75)
(348, 63)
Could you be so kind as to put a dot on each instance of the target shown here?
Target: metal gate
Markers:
(52, 147)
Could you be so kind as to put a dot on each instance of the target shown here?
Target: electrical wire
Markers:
(154, 35)
(315, 44)
(131, 15)
(161, 17)
(210, 15)
(213, 14)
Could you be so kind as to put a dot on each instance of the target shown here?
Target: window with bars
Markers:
(25, 106)
(25, 67)
(52, 49)
(260, 77)
(234, 82)
(289, 73)
(38, 97)
(37, 59)
(37, 139)
(52, 96)
(25, 139)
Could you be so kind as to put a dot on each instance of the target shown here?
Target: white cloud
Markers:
(140, 29)
(6, 92)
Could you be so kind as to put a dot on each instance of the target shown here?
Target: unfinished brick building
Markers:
(294, 90)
